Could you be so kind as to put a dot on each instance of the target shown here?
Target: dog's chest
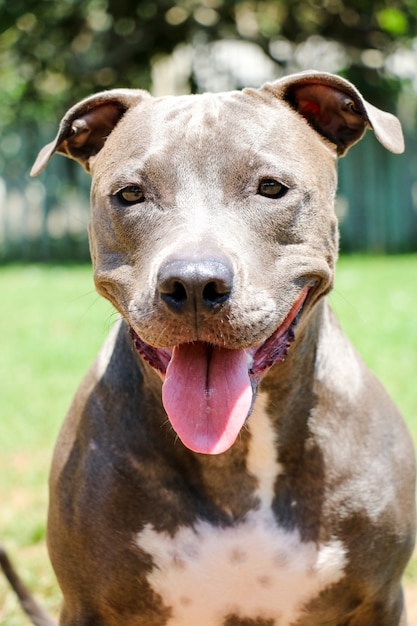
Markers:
(251, 570)
(254, 570)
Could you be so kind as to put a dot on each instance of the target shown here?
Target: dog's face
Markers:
(216, 182)
(213, 230)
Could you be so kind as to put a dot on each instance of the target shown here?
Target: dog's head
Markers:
(213, 230)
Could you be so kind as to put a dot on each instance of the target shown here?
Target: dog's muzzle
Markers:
(208, 390)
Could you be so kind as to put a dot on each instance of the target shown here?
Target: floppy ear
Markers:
(336, 110)
(86, 126)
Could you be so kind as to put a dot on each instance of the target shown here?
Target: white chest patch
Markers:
(253, 569)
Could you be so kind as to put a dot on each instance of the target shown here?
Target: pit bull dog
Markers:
(228, 460)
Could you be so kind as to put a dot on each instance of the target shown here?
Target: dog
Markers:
(228, 460)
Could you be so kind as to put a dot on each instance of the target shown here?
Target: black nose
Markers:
(195, 285)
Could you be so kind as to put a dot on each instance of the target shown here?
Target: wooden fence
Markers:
(377, 199)
(45, 219)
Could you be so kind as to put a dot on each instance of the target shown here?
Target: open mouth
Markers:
(208, 390)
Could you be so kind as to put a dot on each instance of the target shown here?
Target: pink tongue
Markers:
(207, 394)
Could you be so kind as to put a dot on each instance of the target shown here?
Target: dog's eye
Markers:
(271, 188)
(132, 194)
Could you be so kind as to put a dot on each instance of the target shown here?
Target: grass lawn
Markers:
(53, 323)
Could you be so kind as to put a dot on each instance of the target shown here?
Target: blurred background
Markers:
(54, 53)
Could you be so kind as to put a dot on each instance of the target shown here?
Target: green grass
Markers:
(375, 298)
(52, 325)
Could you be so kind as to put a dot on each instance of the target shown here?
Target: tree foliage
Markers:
(53, 53)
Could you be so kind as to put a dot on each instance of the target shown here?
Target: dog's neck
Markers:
(242, 479)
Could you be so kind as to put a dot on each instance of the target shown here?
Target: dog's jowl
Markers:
(228, 460)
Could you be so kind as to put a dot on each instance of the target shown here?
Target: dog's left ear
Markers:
(85, 127)
(336, 109)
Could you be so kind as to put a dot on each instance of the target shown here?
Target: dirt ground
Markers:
(411, 602)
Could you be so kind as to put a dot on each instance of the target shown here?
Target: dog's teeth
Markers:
(249, 359)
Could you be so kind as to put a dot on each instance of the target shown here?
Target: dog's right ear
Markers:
(86, 126)
(337, 110)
